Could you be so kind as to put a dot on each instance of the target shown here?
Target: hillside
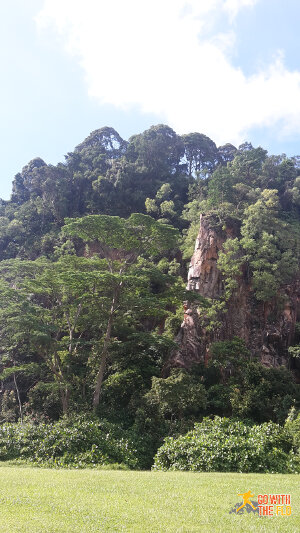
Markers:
(95, 257)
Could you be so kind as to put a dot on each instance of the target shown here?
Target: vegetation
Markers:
(77, 442)
(230, 446)
(87, 501)
(93, 265)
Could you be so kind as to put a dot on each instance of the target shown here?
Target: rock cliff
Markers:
(268, 328)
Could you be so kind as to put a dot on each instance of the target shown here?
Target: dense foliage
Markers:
(93, 265)
(229, 446)
(76, 442)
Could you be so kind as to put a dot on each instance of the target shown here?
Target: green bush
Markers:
(292, 425)
(79, 441)
(264, 394)
(228, 446)
(179, 395)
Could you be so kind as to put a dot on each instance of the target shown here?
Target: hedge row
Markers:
(226, 445)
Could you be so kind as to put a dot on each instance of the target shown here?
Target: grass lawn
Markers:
(36, 500)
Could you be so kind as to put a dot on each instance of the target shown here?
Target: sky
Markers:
(227, 68)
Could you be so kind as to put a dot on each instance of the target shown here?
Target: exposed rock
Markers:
(268, 328)
(203, 275)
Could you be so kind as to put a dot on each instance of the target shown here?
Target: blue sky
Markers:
(226, 68)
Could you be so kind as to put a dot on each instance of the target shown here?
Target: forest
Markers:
(94, 256)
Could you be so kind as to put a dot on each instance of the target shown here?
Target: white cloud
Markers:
(234, 6)
(165, 57)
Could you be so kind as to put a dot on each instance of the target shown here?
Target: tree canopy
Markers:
(94, 253)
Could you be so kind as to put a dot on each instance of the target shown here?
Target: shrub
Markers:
(178, 395)
(292, 426)
(264, 394)
(228, 446)
(79, 441)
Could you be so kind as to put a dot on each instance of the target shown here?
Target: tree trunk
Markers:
(19, 399)
(102, 366)
(65, 395)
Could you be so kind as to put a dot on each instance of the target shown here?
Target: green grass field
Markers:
(43, 500)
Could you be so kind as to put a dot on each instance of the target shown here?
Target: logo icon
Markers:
(266, 504)
(246, 504)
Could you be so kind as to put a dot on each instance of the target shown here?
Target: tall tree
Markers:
(201, 153)
(158, 149)
(121, 242)
(47, 314)
(227, 153)
(271, 247)
(247, 165)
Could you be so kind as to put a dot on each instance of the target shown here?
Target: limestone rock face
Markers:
(268, 328)
(203, 275)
